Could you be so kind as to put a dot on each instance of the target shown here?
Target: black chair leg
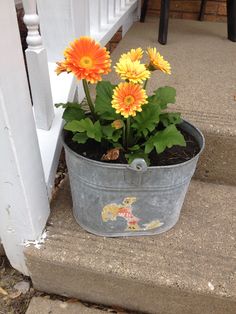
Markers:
(144, 11)
(164, 19)
(202, 10)
(231, 19)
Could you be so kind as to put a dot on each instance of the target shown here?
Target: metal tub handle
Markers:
(134, 172)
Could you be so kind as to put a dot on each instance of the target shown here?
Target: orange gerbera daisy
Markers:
(157, 62)
(86, 59)
(61, 67)
(128, 98)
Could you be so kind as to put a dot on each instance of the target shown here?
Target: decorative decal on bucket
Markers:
(124, 210)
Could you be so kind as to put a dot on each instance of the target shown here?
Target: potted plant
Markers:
(130, 160)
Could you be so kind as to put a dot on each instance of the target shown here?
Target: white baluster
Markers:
(95, 17)
(111, 10)
(104, 11)
(123, 4)
(117, 7)
(80, 19)
(38, 69)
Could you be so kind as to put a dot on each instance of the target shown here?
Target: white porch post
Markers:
(24, 206)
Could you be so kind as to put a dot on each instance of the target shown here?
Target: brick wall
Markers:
(189, 9)
(114, 41)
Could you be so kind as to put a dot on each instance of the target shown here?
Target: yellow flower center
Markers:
(86, 62)
(129, 100)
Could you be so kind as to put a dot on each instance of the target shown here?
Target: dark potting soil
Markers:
(171, 156)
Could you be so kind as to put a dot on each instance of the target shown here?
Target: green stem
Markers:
(127, 132)
(88, 97)
(124, 136)
(145, 84)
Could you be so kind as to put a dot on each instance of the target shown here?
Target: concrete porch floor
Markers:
(190, 269)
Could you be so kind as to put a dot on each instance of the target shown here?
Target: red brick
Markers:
(190, 16)
(185, 6)
(215, 18)
(222, 9)
(154, 4)
(176, 15)
(215, 9)
(108, 46)
(117, 37)
(211, 7)
(154, 13)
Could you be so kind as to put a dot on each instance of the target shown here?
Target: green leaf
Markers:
(73, 114)
(97, 131)
(74, 126)
(140, 154)
(108, 131)
(167, 138)
(111, 134)
(73, 111)
(93, 131)
(152, 100)
(104, 92)
(165, 95)
(168, 118)
(59, 105)
(68, 105)
(147, 120)
(80, 138)
(134, 148)
(117, 145)
(149, 145)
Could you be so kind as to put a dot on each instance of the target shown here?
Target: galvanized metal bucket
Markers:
(129, 200)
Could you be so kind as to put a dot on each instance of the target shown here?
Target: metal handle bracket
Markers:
(134, 172)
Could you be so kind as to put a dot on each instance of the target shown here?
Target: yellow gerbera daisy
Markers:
(133, 55)
(135, 72)
(157, 62)
(86, 59)
(128, 98)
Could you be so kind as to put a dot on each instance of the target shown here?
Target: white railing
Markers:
(37, 62)
(97, 18)
(60, 23)
(30, 141)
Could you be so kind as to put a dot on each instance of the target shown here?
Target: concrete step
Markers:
(39, 305)
(190, 269)
(204, 76)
